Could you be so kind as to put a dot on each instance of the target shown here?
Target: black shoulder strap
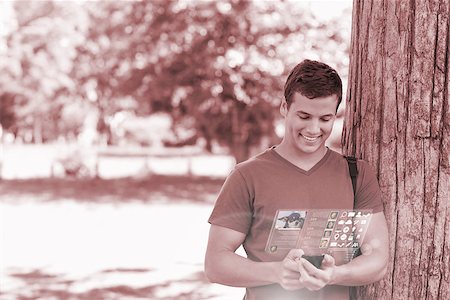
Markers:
(353, 169)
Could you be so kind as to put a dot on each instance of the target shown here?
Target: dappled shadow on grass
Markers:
(154, 188)
(39, 285)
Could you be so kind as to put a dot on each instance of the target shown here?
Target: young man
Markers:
(300, 173)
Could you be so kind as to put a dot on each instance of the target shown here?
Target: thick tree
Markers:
(398, 119)
(216, 67)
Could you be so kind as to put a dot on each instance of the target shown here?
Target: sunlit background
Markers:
(119, 122)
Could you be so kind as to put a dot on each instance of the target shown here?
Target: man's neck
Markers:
(304, 161)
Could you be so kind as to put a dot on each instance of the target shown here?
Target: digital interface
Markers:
(336, 232)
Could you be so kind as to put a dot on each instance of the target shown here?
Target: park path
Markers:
(117, 251)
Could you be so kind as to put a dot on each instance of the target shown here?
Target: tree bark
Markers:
(397, 118)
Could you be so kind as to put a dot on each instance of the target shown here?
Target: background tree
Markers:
(398, 119)
(36, 61)
(216, 67)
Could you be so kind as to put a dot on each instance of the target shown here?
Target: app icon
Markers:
(323, 243)
(333, 215)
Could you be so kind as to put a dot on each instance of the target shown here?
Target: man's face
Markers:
(308, 122)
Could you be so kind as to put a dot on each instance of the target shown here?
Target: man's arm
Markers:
(224, 266)
(370, 267)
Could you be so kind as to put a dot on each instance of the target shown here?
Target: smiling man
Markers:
(299, 174)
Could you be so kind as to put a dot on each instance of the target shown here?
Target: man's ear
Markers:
(284, 108)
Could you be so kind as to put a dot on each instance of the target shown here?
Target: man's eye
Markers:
(304, 117)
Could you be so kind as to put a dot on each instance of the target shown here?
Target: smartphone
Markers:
(316, 260)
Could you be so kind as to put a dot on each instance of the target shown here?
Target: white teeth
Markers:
(311, 139)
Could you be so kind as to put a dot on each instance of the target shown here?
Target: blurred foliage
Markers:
(216, 67)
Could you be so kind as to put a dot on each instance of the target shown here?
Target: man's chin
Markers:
(310, 149)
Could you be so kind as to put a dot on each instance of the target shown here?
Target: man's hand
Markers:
(288, 271)
(313, 278)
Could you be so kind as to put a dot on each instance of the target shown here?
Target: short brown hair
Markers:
(313, 79)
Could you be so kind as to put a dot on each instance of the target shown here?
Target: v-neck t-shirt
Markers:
(257, 188)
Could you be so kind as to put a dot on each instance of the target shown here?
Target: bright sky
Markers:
(326, 9)
(322, 9)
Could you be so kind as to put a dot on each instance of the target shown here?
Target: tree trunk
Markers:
(240, 148)
(1, 151)
(37, 129)
(397, 118)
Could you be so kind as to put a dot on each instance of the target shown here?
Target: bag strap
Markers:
(353, 169)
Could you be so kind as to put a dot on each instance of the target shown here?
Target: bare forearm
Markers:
(231, 269)
(362, 270)
(371, 266)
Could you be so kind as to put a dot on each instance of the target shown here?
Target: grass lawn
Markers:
(156, 188)
(107, 239)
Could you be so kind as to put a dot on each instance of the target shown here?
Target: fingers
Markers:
(311, 270)
(296, 272)
(289, 279)
(307, 279)
(313, 278)
(295, 254)
(328, 261)
(292, 259)
(288, 272)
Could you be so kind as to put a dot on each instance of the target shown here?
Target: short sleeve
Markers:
(368, 193)
(233, 207)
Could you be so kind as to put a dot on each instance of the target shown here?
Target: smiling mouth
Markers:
(310, 139)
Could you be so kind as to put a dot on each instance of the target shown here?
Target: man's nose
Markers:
(313, 127)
